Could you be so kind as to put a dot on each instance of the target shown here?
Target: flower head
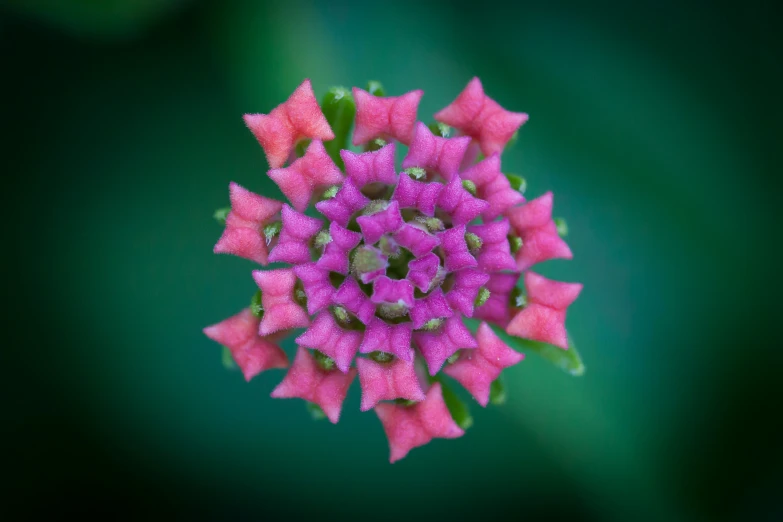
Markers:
(387, 267)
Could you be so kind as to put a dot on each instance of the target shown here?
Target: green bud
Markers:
(324, 361)
(433, 224)
(339, 108)
(432, 325)
(405, 402)
(453, 358)
(381, 357)
(469, 186)
(322, 239)
(518, 183)
(330, 192)
(341, 315)
(221, 214)
(562, 226)
(375, 144)
(255, 305)
(415, 172)
(520, 301)
(366, 260)
(440, 129)
(375, 88)
(374, 206)
(474, 242)
(515, 243)
(392, 310)
(481, 298)
(271, 230)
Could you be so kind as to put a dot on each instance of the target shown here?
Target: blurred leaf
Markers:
(339, 108)
(497, 392)
(221, 214)
(567, 360)
(228, 360)
(315, 411)
(375, 88)
(458, 409)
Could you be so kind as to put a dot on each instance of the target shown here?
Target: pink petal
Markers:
(387, 381)
(493, 187)
(413, 426)
(315, 170)
(326, 336)
(497, 309)
(351, 297)
(533, 214)
(380, 117)
(436, 347)
(554, 294)
(434, 306)
(541, 244)
(317, 286)
(460, 204)
(455, 249)
(476, 369)
(371, 167)
(306, 380)
(417, 241)
(252, 353)
(335, 256)
(386, 221)
(479, 116)
(298, 118)
(540, 323)
(392, 291)
(344, 204)
(495, 252)
(422, 196)
(463, 294)
(381, 336)
(243, 235)
(293, 245)
(431, 152)
(422, 271)
(281, 311)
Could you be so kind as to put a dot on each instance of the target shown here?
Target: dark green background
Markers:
(657, 126)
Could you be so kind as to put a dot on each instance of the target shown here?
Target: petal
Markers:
(392, 291)
(428, 151)
(371, 167)
(460, 204)
(326, 336)
(317, 286)
(417, 241)
(281, 311)
(350, 296)
(293, 245)
(436, 347)
(381, 336)
(387, 381)
(434, 306)
(455, 249)
(375, 225)
(344, 204)
(467, 283)
(495, 252)
(335, 255)
(416, 194)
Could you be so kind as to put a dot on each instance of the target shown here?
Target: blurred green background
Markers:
(656, 124)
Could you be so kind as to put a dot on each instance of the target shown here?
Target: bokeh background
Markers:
(656, 124)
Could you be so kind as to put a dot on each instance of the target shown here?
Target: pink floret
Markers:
(455, 249)
(493, 187)
(392, 291)
(335, 255)
(385, 117)
(409, 427)
(371, 167)
(316, 285)
(298, 118)
(476, 369)
(281, 311)
(293, 245)
(417, 241)
(395, 339)
(466, 287)
(434, 306)
(387, 381)
(351, 296)
(386, 221)
(543, 318)
(243, 235)
(313, 171)
(422, 196)
(497, 309)
(438, 346)
(460, 204)
(422, 271)
(344, 204)
(252, 353)
(326, 336)
(495, 252)
(443, 155)
(540, 240)
(479, 116)
(306, 380)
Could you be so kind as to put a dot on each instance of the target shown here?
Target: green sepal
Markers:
(459, 410)
(375, 88)
(301, 147)
(562, 226)
(497, 392)
(517, 183)
(440, 129)
(315, 411)
(256, 307)
(567, 360)
(221, 214)
(339, 108)
(227, 359)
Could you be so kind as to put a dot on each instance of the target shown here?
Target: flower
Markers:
(388, 268)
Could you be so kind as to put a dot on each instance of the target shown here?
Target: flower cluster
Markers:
(398, 276)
